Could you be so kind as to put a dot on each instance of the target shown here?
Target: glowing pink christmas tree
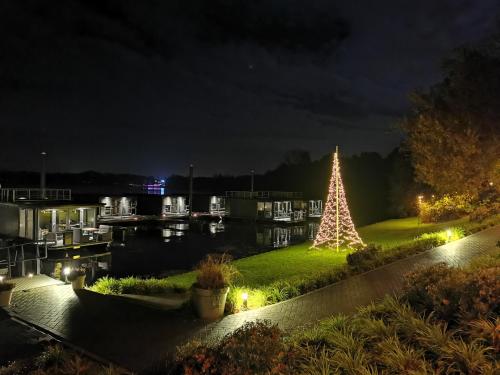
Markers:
(337, 229)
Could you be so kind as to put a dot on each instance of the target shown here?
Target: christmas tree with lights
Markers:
(337, 229)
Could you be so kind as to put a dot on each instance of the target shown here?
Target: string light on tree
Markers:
(336, 229)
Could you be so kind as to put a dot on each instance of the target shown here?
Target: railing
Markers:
(264, 194)
(13, 254)
(27, 194)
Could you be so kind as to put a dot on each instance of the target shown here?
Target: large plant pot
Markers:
(210, 303)
(5, 298)
(78, 283)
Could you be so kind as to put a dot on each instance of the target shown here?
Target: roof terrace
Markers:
(13, 195)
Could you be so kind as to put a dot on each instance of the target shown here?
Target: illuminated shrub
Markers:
(448, 207)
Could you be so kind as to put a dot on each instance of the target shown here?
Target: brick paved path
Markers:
(135, 336)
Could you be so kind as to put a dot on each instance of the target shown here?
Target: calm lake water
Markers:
(159, 249)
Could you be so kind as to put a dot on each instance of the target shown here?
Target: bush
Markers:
(254, 348)
(57, 360)
(135, 285)
(454, 295)
(363, 259)
(449, 207)
(484, 211)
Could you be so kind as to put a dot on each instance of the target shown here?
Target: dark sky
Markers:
(149, 86)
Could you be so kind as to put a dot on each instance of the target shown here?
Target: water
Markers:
(161, 248)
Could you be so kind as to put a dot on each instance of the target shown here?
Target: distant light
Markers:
(30, 275)
(66, 271)
(491, 183)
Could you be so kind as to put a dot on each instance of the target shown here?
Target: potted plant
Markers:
(214, 275)
(6, 290)
(77, 278)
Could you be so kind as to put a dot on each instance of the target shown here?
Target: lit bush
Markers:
(448, 207)
(135, 285)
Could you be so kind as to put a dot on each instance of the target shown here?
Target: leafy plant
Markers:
(215, 272)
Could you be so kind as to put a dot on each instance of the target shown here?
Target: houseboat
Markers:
(175, 206)
(277, 206)
(50, 215)
(117, 207)
(217, 205)
(315, 208)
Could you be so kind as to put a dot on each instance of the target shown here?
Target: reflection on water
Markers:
(165, 248)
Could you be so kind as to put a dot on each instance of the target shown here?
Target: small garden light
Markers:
(66, 271)
(449, 233)
(2, 278)
(245, 299)
(30, 275)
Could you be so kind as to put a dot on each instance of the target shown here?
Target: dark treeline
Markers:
(377, 187)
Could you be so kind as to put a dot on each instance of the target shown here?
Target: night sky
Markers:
(147, 87)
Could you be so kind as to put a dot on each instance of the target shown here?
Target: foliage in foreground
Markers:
(396, 336)
(56, 360)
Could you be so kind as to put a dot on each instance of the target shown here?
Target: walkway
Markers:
(136, 337)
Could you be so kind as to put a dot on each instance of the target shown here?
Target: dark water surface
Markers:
(162, 248)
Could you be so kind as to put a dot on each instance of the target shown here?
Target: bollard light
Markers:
(448, 233)
(244, 296)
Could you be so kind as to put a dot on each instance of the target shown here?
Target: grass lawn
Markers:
(299, 262)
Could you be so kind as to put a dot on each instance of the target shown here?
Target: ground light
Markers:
(244, 296)
(449, 234)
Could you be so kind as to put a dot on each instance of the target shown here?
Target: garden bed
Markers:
(278, 275)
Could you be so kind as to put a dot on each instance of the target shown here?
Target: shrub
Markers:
(135, 285)
(484, 211)
(454, 295)
(448, 207)
(57, 360)
(254, 348)
(6, 286)
(363, 259)
(215, 272)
